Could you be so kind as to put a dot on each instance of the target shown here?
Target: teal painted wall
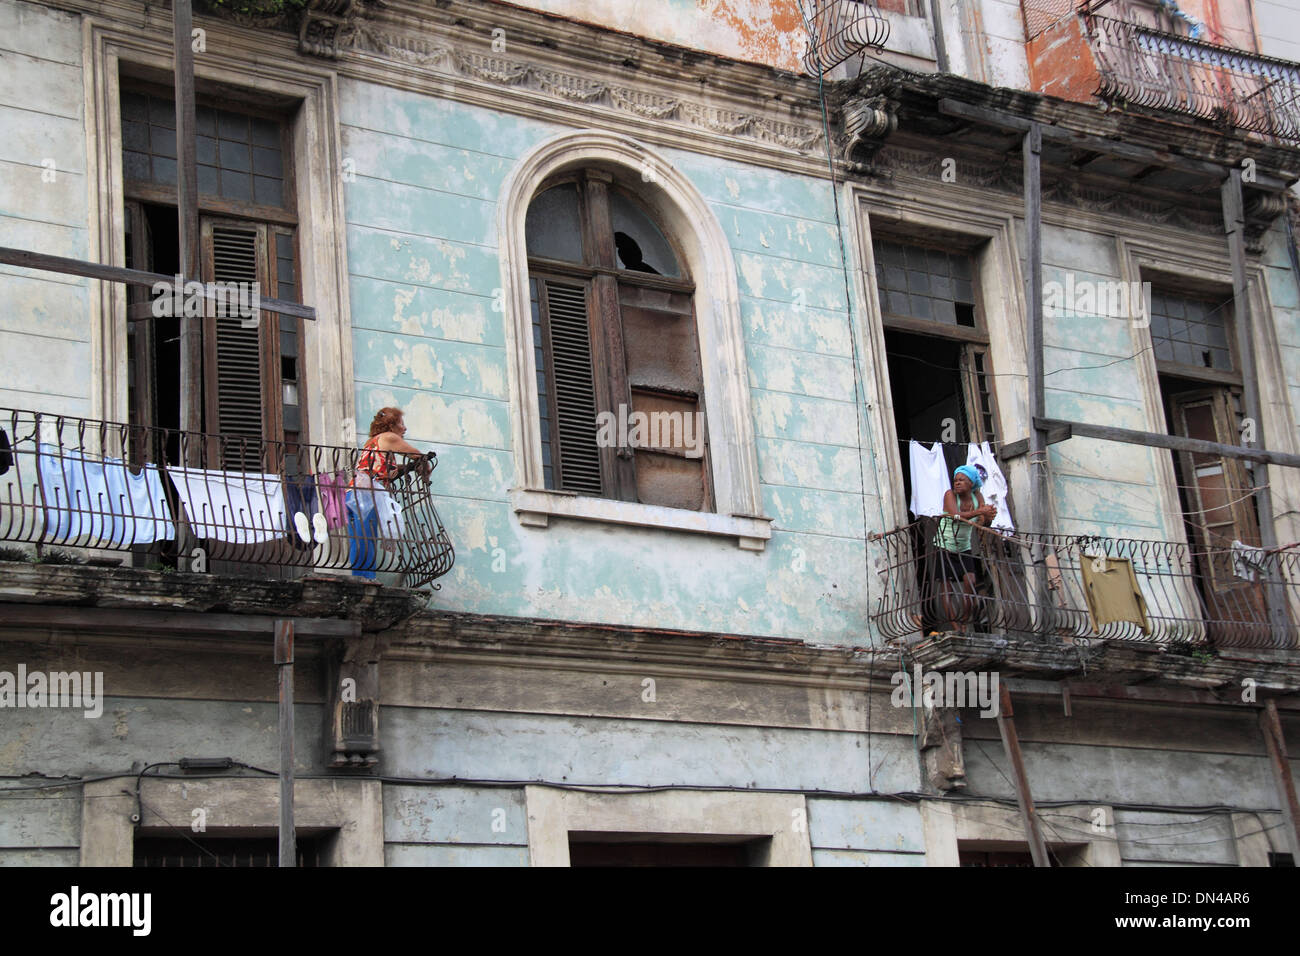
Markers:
(423, 262)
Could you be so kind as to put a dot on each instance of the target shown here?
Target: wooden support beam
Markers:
(187, 215)
(1130, 151)
(95, 270)
(1276, 745)
(284, 631)
(1011, 745)
(1015, 449)
(1175, 442)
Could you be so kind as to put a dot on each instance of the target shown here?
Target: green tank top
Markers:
(954, 535)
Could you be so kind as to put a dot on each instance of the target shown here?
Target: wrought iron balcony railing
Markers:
(84, 484)
(1083, 589)
(839, 29)
(1235, 89)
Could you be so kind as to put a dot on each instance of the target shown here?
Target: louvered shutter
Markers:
(236, 256)
(574, 392)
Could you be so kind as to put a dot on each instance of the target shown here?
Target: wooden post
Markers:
(187, 215)
(284, 664)
(1011, 744)
(1234, 224)
(1038, 503)
(1276, 745)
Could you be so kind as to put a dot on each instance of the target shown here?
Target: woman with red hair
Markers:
(373, 515)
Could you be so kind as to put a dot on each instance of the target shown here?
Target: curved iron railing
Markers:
(838, 29)
(1217, 598)
(69, 482)
(1145, 67)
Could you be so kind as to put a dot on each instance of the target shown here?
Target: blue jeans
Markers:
(363, 534)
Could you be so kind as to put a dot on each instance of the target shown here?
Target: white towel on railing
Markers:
(231, 506)
(98, 502)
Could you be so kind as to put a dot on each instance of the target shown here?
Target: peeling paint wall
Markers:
(757, 31)
(422, 250)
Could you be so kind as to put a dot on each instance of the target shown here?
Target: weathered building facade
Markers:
(656, 651)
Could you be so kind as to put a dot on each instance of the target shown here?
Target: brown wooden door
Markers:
(1218, 508)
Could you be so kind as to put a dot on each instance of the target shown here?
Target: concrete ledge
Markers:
(535, 507)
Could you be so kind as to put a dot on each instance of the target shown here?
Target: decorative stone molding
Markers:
(867, 122)
(1004, 176)
(578, 87)
(328, 25)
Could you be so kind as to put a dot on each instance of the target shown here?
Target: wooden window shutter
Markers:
(236, 373)
(568, 346)
(666, 385)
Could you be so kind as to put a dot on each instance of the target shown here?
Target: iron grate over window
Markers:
(207, 851)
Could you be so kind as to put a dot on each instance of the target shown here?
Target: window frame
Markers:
(681, 212)
(611, 380)
(247, 74)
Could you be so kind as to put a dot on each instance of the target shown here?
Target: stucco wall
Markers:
(45, 335)
(422, 250)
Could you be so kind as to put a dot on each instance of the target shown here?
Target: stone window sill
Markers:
(535, 508)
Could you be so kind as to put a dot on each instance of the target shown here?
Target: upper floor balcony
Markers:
(113, 493)
(1086, 588)
(1129, 57)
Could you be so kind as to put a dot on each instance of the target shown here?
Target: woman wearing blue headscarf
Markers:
(964, 510)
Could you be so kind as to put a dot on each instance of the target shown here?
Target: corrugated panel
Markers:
(239, 360)
(575, 395)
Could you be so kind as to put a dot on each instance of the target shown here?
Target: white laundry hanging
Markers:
(930, 480)
(995, 487)
(98, 501)
(231, 506)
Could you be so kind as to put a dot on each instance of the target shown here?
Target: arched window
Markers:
(619, 289)
(619, 385)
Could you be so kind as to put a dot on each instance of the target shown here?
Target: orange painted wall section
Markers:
(1061, 62)
(756, 31)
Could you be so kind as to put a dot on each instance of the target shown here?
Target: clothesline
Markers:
(923, 441)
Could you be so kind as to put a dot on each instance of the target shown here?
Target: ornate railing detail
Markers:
(1235, 89)
(214, 502)
(839, 29)
(1034, 584)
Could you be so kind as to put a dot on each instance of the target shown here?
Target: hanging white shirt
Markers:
(930, 480)
(995, 487)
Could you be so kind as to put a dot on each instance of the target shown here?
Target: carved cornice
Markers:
(575, 86)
